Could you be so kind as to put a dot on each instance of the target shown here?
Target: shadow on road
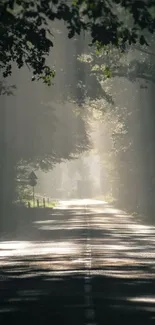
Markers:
(42, 268)
(124, 301)
(43, 297)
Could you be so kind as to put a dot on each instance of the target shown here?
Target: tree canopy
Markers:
(26, 34)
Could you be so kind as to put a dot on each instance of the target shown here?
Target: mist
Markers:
(84, 128)
(77, 183)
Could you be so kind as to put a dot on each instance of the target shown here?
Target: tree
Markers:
(127, 125)
(38, 136)
(26, 35)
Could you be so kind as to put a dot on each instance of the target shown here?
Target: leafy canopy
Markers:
(26, 38)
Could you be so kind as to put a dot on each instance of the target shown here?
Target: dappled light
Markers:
(81, 239)
(40, 248)
(77, 166)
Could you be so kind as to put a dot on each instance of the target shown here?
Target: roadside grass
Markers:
(31, 204)
(41, 205)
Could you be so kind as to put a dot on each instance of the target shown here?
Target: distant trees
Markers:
(38, 134)
(39, 126)
(127, 125)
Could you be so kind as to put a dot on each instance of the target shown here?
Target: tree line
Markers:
(28, 38)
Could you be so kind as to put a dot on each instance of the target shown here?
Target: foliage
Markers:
(42, 137)
(26, 36)
(136, 65)
(49, 205)
(127, 129)
(23, 191)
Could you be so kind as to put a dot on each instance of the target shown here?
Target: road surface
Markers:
(85, 263)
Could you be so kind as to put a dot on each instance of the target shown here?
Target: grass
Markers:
(41, 205)
(49, 205)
